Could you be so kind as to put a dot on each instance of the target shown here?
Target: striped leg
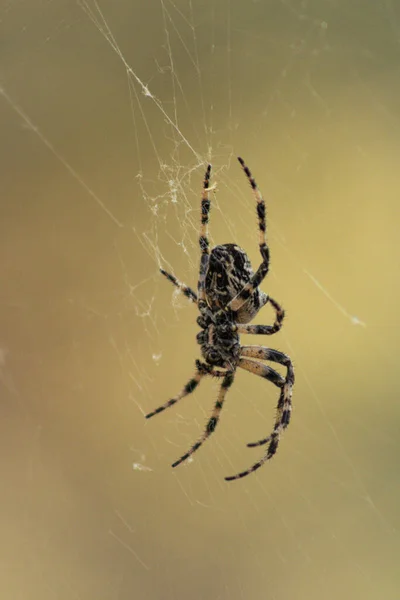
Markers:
(258, 368)
(213, 421)
(236, 303)
(186, 290)
(284, 406)
(203, 239)
(188, 389)
(265, 329)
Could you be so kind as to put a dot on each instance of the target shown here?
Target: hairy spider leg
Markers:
(284, 406)
(188, 389)
(265, 329)
(203, 240)
(202, 369)
(185, 289)
(236, 303)
(213, 421)
(257, 368)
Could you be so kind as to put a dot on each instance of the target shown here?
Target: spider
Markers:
(228, 298)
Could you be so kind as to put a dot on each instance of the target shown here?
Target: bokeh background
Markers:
(109, 112)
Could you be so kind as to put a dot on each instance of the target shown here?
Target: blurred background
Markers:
(109, 112)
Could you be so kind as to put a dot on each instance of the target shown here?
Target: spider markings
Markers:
(228, 298)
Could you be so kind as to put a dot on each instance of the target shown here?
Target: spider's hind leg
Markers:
(237, 302)
(203, 239)
(185, 289)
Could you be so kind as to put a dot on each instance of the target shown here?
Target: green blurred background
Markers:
(108, 113)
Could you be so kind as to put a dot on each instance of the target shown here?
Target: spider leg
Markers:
(260, 369)
(213, 421)
(284, 406)
(257, 368)
(186, 290)
(265, 329)
(203, 239)
(237, 302)
(201, 370)
(188, 389)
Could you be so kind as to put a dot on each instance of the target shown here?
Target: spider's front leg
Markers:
(188, 389)
(284, 406)
(202, 369)
(213, 421)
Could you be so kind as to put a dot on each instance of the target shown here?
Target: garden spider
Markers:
(228, 298)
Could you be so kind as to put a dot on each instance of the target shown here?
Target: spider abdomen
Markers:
(229, 269)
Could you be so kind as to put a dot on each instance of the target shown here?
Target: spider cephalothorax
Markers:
(219, 338)
(228, 298)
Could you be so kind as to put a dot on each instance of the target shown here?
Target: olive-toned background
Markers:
(108, 115)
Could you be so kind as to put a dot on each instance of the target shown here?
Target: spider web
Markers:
(109, 114)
